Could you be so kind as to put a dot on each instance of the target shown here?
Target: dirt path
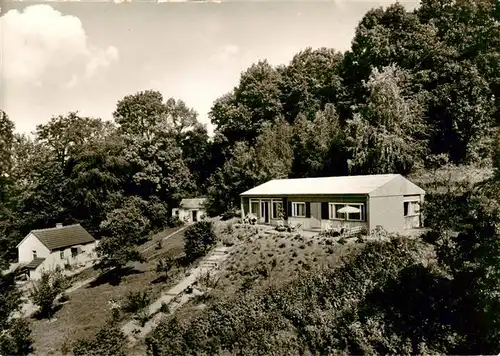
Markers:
(175, 297)
(153, 243)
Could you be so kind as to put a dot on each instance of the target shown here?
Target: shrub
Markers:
(45, 291)
(158, 245)
(315, 314)
(342, 240)
(174, 221)
(360, 239)
(164, 308)
(199, 238)
(136, 301)
(164, 266)
(228, 229)
(329, 233)
(281, 228)
(68, 267)
(228, 241)
(142, 316)
(16, 340)
(109, 341)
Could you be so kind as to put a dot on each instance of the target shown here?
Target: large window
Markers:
(61, 254)
(254, 207)
(352, 216)
(277, 208)
(411, 208)
(299, 210)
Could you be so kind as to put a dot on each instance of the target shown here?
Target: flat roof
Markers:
(361, 184)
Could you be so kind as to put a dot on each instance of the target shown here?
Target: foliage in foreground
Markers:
(15, 334)
(46, 290)
(315, 312)
(109, 341)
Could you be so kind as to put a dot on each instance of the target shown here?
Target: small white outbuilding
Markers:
(190, 210)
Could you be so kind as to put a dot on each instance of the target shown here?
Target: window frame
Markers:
(275, 201)
(411, 211)
(295, 204)
(254, 201)
(332, 209)
(61, 255)
(35, 255)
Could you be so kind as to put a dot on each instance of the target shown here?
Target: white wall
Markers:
(186, 214)
(25, 249)
(387, 212)
(54, 259)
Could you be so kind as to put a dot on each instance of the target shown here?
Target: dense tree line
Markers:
(415, 89)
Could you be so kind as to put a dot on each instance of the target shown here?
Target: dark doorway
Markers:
(265, 209)
(195, 215)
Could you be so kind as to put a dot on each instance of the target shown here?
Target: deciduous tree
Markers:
(387, 134)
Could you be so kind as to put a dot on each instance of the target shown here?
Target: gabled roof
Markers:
(362, 184)
(195, 203)
(62, 237)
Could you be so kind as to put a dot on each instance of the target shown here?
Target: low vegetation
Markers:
(109, 341)
(266, 259)
(290, 318)
(45, 291)
(137, 303)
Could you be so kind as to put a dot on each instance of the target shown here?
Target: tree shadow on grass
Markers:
(40, 315)
(114, 277)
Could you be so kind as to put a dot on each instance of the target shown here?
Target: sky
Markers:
(86, 55)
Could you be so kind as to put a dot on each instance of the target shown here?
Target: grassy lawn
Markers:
(87, 309)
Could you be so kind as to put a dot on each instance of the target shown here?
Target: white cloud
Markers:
(45, 46)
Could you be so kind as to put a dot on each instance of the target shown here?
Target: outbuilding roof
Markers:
(195, 203)
(34, 263)
(361, 184)
(62, 237)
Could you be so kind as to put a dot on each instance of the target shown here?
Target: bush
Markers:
(164, 266)
(109, 341)
(17, 339)
(45, 291)
(164, 308)
(199, 238)
(174, 221)
(230, 214)
(136, 301)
